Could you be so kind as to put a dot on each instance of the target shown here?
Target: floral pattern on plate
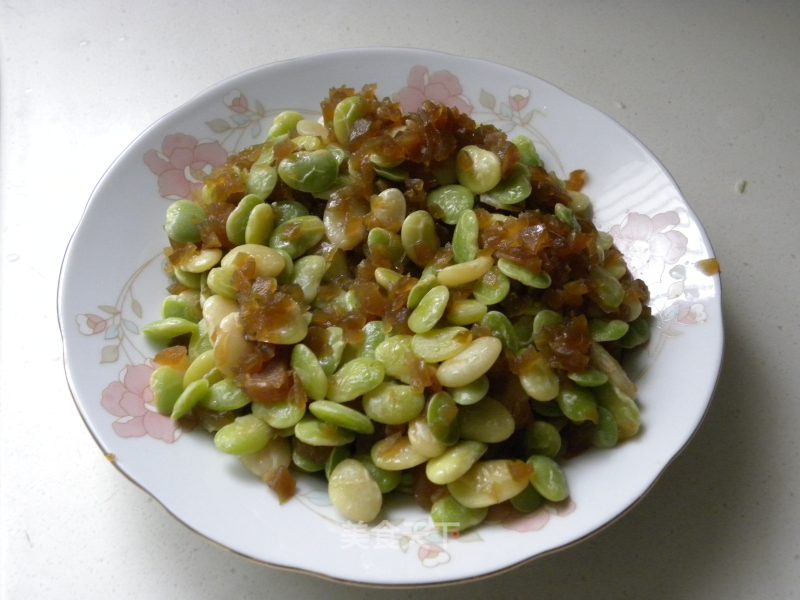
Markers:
(662, 244)
(650, 245)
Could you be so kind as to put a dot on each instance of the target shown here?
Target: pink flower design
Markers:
(431, 555)
(182, 164)
(130, 399)
(686, 312)
(442, 87)
(538, 519)
(236, 101)
(518, 98)
(692, 313)
(534, 521)
(91, 324)
(565, 507)
(650, 243)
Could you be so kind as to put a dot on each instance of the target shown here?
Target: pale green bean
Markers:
(465, 272)
(384, 244)
(606, 434)
(465, 237)
(288, 209)
(638, 334)
(220, 282)
(183, 221)
(355, 378)
(426, 283)
(268, 261)
(492, 288)
(310, 372)
(447, 202)
(386, 480)
(318, 433)
(375, 332)
(166, 383)
(261, 180)
(166, 330)
(578, 404)
(471, 363)
(589, 378)
(341, 416)
(260, 223)
(502, 329)
(387, 278)
(185, 305)
(245, 435)
(450, 516)
(354, 492)
(471, 393)
(189, 280)
(333, 347)
(454, 462)
(429, 310)
(548, 479)
(541, 437)
(463, 311)
(440, 344)
(346, 113)
(280, 415)
(442, 417)
(622, 406)
(603, 330)
(236, 223)
(284, 123)
(395, 453)
(310, 172)
(477, 169)
(389, 208)
(337, 455)
(191, 396)
(419, 238)
(536, 279)
(398, 358)
(490, 482)
(487, 421)
(225, 395)
(297, 235)
(393, 403)
(422, 439)
(509, 192)
(527, 151)
(307, 273)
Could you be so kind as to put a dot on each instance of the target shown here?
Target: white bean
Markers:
(269, 262)
(471, 363)
(354, 492)
(395, 453)
(201, 261)
(309, 127)
(422, 439)
(461, 273)
(216, 308)
(455, 461)
(491, 482)
(230, 345)
(264, 463)
(487, 421)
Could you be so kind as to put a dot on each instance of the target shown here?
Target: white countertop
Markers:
(712, 88)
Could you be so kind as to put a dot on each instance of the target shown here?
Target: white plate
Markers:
(112, 283)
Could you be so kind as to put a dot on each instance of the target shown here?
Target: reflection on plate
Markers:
(112, 283)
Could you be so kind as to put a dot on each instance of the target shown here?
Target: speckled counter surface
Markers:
(712, 88)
